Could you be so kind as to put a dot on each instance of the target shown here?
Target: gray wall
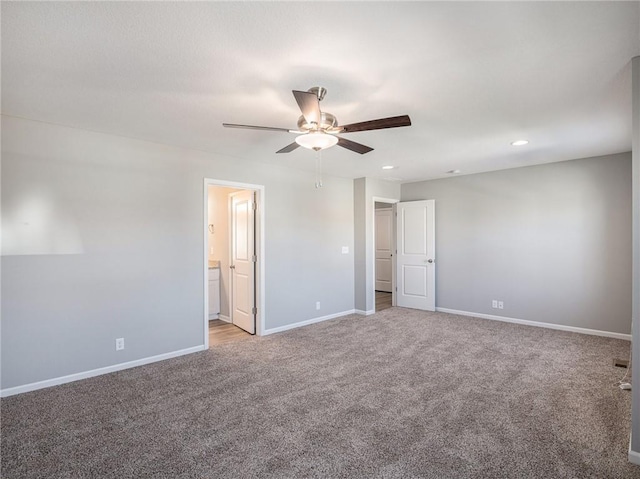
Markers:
(103, 237)
(551, 241)
(635, 407)
(365, 190)
(360, 239)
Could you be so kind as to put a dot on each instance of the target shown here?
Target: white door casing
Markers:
(383, 241)
(243, 260)
(415, 257)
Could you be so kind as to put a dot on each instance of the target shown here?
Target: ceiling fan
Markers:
(318, 130)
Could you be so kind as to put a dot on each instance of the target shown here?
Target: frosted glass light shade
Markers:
(316, 141)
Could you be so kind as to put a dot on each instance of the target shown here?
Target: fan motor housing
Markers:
(327, 122)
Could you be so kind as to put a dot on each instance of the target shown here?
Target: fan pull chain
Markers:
(319, 169)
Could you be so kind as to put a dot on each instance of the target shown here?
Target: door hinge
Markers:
(255, 206)
(254, 259)
(254, 310)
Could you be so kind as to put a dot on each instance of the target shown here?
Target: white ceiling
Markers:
(472, 76)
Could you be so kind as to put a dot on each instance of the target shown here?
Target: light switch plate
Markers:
(345, 250)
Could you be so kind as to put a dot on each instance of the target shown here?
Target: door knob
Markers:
(429, 261)
(233, 266)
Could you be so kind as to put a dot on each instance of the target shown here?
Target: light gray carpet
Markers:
(400, 394)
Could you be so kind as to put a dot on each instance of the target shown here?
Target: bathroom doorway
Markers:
(233, 261)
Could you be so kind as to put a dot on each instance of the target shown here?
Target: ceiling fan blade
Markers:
(391, 122)
(253, 127)
(353, 146)
(309, 105)
(289, 148)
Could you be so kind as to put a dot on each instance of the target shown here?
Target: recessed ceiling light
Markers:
(520, 142)
(388, 167)
(453, 172)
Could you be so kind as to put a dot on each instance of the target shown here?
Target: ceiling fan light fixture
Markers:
(519, 142)
(317, 128)
(316, 141)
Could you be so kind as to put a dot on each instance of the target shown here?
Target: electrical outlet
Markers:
(119, 344)
(494, 303)
(620, 363)
(211, 251)
(500, 305)
(317, 305)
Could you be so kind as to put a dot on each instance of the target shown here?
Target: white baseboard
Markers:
(634, 456)
(224, 318)
(213, 316)
(306, 322)
(561, 327)
(96, 372)
(364, 313)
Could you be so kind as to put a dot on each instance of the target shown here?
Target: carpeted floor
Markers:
(400, 394)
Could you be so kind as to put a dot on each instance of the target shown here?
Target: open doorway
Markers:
(233, 261)
(384, 248)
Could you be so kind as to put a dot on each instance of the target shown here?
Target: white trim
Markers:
(634, 457)
(364, 313)
(224, 318)
(384, 200)
(205, 213)
(307, 322)
(260, 225)
(97, 372)
(561, 327)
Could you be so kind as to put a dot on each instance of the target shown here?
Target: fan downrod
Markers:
(319, 91)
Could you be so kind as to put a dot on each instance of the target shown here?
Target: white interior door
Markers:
(383, 249)
(415, 260)
(243, 260)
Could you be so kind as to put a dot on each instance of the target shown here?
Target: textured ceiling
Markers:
(472, 76)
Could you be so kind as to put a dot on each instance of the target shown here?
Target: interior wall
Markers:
(365, 190)
(113, 247)
(553, 242)
(219, 241)
(360, 243)
(635, 369)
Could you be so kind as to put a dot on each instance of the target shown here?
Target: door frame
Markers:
(260, 251)
(391, 202)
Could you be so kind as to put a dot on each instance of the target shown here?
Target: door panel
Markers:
(241, 231)
(414, 242)
(242, 260)
(243, 301)
(414, 280)
(383, 228)
(416, 255)
(383, 274)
